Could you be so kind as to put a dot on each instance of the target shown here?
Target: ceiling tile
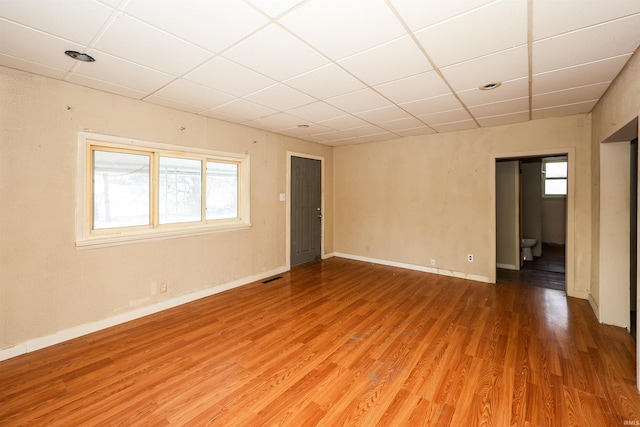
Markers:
(325, 82)
(302, 132)
(432, 105)
(421, 86)
(563, 110)
(420, 14)
(552, 17)
(503, 66)
(402, 124)
(401, 58)
(280, 97)
(77, 21)
(504, 119)
(106, 86)
(500, 108)
(383, 114)
(603, 41)
(212, 24)
(480, 32)
(345, 122)
(366, 130)
(34, 46)
(194, 94)
(508, 90)
(316, 112)
(570, 96)
(455, 126)
(341, 28)
(219, 115)
(131, 39)
(274, 8)
(278, 121)
(31, 67)
(276, 54)
(579, 75)
(244, 109)
(418, 131)
(122, 73)
(356, 102)
(229, 77)
(172, 103)
(445, 117)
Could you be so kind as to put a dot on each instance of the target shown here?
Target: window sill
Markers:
(103, 241)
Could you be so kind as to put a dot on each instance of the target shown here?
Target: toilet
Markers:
(526, 246)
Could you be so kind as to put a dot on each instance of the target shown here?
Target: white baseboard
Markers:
(433, 270)
(88, 328)
(508, 266)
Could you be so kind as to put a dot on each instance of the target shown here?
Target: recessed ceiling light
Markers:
(490, 86)
(303, 126)
(79, 56)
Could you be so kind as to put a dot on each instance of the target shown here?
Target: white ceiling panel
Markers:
(229, 77)
(580, 75)
(501, 108)
(507, 65)
(274, 8)
(563, 110)
(420, 14)
(594, 43)
(553, 17)
(569, 96)
(356, 102)
(198, 96)
(134, 40)
(436, 104)
(213, 24)
(280, 97)
(326, 82)
(341, 28)
(401, 58)
(316, 112)
(354, 71)
(35, 46)
(77, 21)
(480, 32)
(276, 54)
(414, 88)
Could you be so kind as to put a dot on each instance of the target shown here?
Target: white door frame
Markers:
(291, 154)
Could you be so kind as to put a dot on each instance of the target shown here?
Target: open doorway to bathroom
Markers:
(539, 196)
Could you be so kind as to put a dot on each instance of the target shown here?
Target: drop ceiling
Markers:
(336, 72)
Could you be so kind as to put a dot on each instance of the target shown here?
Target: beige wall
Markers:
(431, 197)
(532, 204)
(619, 106)
(46, 284)
(508, 215)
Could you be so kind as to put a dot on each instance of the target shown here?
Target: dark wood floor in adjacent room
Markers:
(340, 342)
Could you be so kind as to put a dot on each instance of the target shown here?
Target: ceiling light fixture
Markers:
(303, 126)
(490, 86)
(79, 56)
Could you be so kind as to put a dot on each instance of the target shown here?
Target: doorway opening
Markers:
(531, 220)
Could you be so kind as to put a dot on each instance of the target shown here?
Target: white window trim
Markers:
(86, 239)
(559, 159)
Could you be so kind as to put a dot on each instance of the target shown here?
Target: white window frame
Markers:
(87, 237)
(545, 161)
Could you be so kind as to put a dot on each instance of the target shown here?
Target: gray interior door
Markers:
(306, 213)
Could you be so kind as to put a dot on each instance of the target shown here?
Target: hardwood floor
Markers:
(547, 271)
(339, 342)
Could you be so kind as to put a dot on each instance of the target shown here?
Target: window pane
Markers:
(556, 170)
(120, 189)
(180, 193)
(555, 187)
(222, 190)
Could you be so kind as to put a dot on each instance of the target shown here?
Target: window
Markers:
(133, 190)
(554, 176)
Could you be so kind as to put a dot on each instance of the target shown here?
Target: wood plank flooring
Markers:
(339, 342)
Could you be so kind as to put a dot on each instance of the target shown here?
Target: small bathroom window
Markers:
(554, 176)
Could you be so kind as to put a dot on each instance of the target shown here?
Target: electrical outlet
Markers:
(163, 287)
(470, 257)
